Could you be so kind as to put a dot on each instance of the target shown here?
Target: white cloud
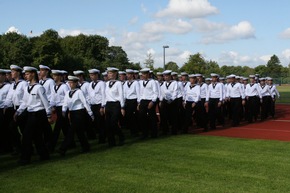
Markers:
(143, 8)
(188, 9)
(233, 58)
(265, 58)
(176, 26)
(243, 30)
(13, 29)
(286, 54)
(205, 26)
(151, 51)
(134, 20)
(75, 32)
(285, 34)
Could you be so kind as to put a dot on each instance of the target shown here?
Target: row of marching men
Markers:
(102, 106)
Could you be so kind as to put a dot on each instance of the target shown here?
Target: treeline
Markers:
(93, 51)
(68, 53)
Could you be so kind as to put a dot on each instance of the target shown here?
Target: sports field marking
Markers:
(271, 130)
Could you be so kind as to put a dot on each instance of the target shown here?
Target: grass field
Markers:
(185, 163)
(284, 91)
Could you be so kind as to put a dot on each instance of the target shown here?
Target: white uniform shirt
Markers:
(4, 89)
(169, 91)
(34, 100)
(84, 86)
(114, 92)
(58, 94)
(234, 90)
(131, 90)
(203, 90)
(180, 89)
(215, 91)
(192, 93)
(75, 100)
(158, 88)
(252, 90)
(96, 92)
(148, 90)
(274, 90)
(265, 91)
(48, 85)
(15, 94)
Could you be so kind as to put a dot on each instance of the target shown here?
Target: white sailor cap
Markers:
(222, 78)
(29, 69)
(122, 72)
(129, 71)
(15, 67)
(43, 67)
(145, 70)
(159, 73)
(252, 76)
(112, 69)
(56, 72)
(94, 71)
(73, 78)
(192, 76)
(105, 74)
(63, 72)
(136, 71)
(78, 72)
(174, 73)
(167, 72)
(179, 76)
(7, 71)
(269, 78)
(208, 79)
(184, 74)
(140, 73)
(2, 71)
(214, 75)
(245, 78)
(198, 75)
(238, 77)
(262, 79)
(232, 76)
(257, 74)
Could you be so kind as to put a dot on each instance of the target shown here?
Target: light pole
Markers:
(164, 47)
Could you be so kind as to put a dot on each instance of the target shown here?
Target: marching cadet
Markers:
(5, 145)
(168, 103)
(38, 116)
(57, 97)
(136, 75)
(96, 100)
(191, 101)
(214, 99)
(79, 109)
(48, 85)
(9, 78)
(13, 101)
(202, 117)
(275, 94)
(180, 94)
(84, 86)
(105, 76)
(159, 78)
(132, 96)
(267, 96)
(184, 78)
(122, 77)
(114, 107)
(235, 95)
(253, 96)
(147, 104)
(208, 81)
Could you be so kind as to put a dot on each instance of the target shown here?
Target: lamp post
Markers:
(164, 47)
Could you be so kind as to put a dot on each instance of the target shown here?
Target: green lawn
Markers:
(185, 163)
(284, 91)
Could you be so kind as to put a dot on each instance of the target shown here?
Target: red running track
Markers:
(271, 129)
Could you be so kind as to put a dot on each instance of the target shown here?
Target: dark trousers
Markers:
(214, 112)
(131, 116)
(99, 122)
(34, 133)
(113, 114)
(265, 107)
(272, 110)
(236, 104)
(170, 116)
(5, 145)
(61, 124)
(148, 119)
(253, 105)
(78, 121)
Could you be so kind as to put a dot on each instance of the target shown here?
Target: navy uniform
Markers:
(214, 99)
(235, 95)
(253, 96)
(78, 107)
(202, 117)
(132, 96)
(169, 103)
(147, 105)
(267, 97)
(38, 108)
(275, 94)
(114, 106)
(96, 91)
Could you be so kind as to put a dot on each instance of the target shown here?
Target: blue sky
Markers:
(231, 32)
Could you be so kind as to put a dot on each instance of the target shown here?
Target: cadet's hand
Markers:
(243, 102)
(50, 120)
(102, 111)
(160, 104)
(261, 100)
(150, 105)
(184, 104)
(274, 99)
(4, 110)
(63, 114)
(15, 116)
(220, 104)
(193, 105)
(123, 112)
(206, 104)
(92, 117)
(138, 107)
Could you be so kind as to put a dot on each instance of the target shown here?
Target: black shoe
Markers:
(22, 162)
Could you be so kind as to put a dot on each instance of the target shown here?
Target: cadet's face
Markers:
(122, 77)
(14, 74)
(2, 78)
(192, 80)
(56, 77)
(129, 76)
(160, 77)
(29, 76)
(42, 73)
(167, 77)
(183, 78)
(93, 77)
(145, 75)
(214, 79)
(72, 84)
(111, 75)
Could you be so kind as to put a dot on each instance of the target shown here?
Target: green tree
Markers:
(117, 57)
(172, 66)
(261, 70)
(195, 64)
(149, 61)
(274, 67)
